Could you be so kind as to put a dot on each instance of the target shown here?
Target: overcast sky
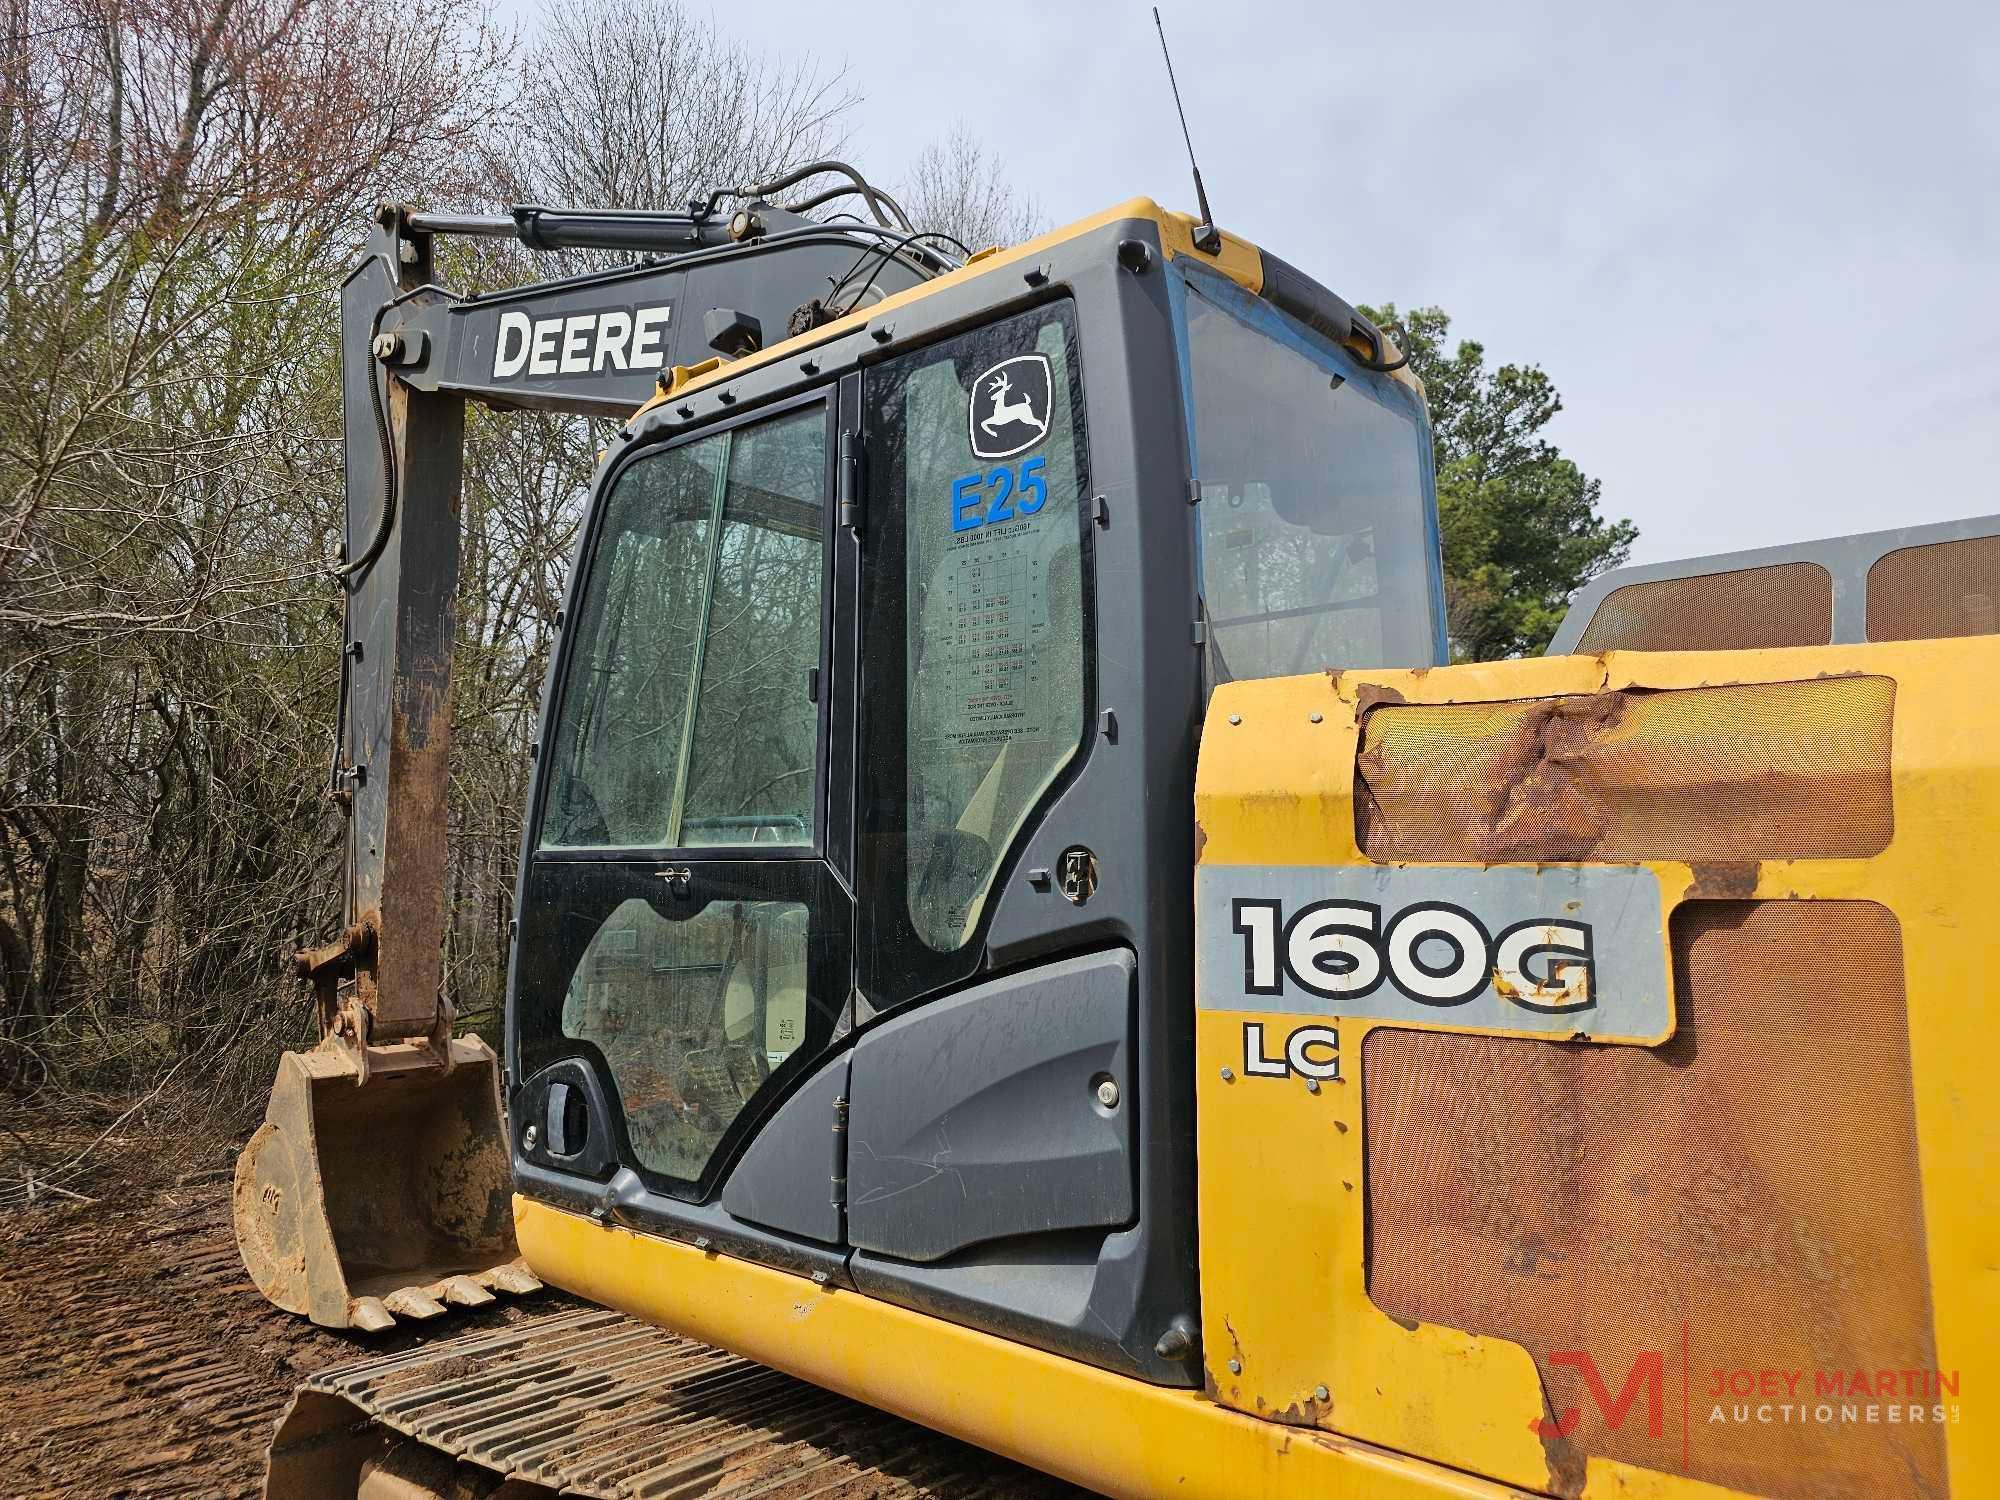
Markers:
(1757, 246)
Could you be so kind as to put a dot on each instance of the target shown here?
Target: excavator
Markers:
(1022, 931)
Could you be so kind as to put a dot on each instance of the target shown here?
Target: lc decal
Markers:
(1310, 1052)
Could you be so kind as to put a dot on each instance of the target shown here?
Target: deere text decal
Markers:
(1559, 951)
(581, 343)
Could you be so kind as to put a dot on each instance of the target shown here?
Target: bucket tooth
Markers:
(513, 1277)
(413, 1302)
(369, 1315)
(463, 1291)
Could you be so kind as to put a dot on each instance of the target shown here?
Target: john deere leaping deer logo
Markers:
(1008, 412)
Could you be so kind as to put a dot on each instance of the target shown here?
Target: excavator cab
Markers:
(858, 836)
(855, 896)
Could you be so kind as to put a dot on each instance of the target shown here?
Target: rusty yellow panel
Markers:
(1289, 1329)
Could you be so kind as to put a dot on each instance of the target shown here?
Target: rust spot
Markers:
(1209, 1384)
(1567, 1466)
(1786, 770)
(1537, 799)
(1200, 840)
(1732, 880)
(1408, 1325)
(1374, 695)
(1307, 1411)
(1526, 1255)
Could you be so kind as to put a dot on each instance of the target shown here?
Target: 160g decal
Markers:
(1552, 950)
(1433, 952)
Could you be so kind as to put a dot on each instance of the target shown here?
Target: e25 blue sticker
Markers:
(999, 494)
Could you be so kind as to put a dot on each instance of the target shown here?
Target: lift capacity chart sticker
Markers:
(1552, 951)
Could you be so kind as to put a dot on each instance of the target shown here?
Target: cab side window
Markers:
(976, 456)
(688, 718)
(1315, 547)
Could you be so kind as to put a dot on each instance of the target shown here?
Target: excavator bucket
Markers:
(377, 1186)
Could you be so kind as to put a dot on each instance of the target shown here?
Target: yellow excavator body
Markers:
(1778, 1216)
(1785, 1194)
(1555, 1077)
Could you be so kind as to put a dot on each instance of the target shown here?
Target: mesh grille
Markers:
(1946, 588)
(1790, 604)
(1775, 770)
(1755, 1181)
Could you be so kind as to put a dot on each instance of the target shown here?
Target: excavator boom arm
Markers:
(377, 1186)
(412, 354)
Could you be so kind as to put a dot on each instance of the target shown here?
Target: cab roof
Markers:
(1256, 271)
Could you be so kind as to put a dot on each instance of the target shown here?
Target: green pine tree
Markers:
(1520, 523)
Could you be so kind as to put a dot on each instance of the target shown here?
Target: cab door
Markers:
(993, 1146)
(686, 943)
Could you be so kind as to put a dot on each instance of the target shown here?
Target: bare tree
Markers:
(958, 186)
(644, 106)
(180, 184)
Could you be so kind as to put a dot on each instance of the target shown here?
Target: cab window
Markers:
(688, 717)
(976, 465)
(692, 1015)
(1314, 543)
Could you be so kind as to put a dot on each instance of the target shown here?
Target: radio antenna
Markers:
(1207, 237)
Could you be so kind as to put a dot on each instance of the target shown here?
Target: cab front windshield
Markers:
(1316, 543)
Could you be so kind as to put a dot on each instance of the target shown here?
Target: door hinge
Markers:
(847, 481)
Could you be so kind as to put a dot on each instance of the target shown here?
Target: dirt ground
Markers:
(136, 1359)
(135, 1356)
